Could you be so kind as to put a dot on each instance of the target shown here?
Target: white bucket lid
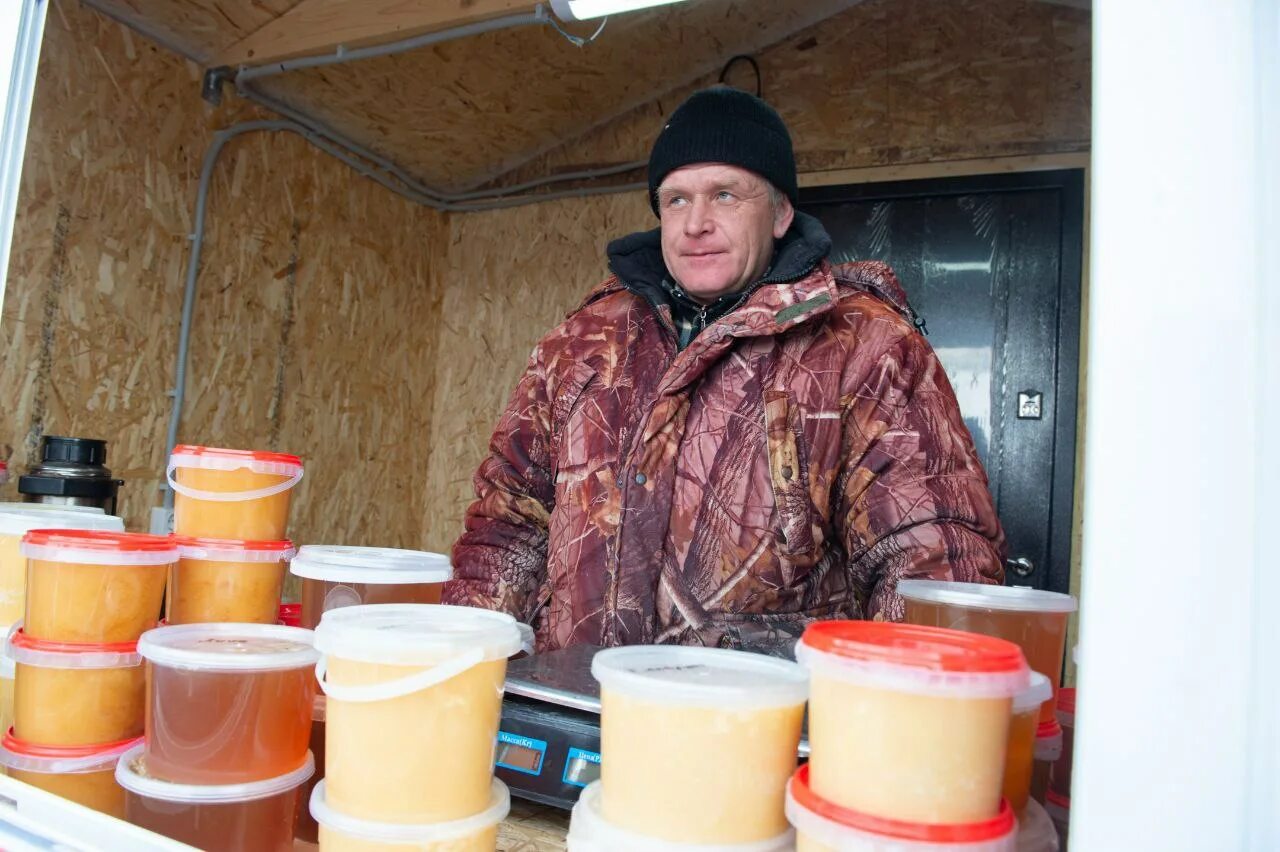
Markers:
(1036, 694)
(131, 774)
(986, 596)
(230, 647)
(41, 653)
(710, 677)
(22, 521)
(415, 634)
(418, 835)
(17, 506)
(847, 831)
(373, 565)
(62, 760)
(589, 832)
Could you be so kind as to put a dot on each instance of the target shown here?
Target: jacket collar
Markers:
(637, 261)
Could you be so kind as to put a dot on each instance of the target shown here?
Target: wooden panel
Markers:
(893, 82)
(466, 111)
(200, 29)
(319, 26)
(312, 329)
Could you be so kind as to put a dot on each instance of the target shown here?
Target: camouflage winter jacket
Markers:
(802, 455)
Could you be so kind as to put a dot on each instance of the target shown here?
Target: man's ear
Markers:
(782, 217)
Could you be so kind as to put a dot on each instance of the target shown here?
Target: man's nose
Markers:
(699, 220)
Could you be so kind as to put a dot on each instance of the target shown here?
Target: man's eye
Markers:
(675, 200)
(724, 195)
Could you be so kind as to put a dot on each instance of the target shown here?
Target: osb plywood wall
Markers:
(312, 330)
(886, 82)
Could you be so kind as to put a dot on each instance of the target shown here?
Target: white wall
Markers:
(1179, 666)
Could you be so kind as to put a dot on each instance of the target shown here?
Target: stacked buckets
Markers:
(414, 698)
(78, 699)
(229, 692)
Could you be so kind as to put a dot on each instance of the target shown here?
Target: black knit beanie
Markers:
(725, 125)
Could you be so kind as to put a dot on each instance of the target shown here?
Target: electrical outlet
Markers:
(161, 520)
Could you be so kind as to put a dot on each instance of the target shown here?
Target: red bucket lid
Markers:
(239, 455)
(21, 640)
(1067, 700)
(974, 832)
(1057, 800)
(915, 646)
(99, 540)
(291, 615)
(1048, 730)
(27, 749)
(231, 543)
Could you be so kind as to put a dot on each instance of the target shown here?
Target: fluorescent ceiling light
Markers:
(582, 10)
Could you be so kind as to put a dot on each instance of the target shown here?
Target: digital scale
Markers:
(549, 740)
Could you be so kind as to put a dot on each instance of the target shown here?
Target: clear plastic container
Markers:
(414, 698)
(227, 703)
(334, 577)
(92, 586)
(85, 775)
(1036, 832)
(75, 695)
(253, 817)
(14, 524)
(822, 826)
(1060, 772)
(225, 580)
(698, 743)
(476, 833)
(1048, 750)
(1034, 620)
(1020, 754)
(307, 829)
(931, 711)
(232, 494)
(589, 831)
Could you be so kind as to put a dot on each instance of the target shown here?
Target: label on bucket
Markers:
(340, 596)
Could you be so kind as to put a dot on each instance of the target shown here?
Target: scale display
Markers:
(581, 767)
(521, 754)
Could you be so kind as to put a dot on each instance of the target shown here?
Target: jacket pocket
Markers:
(789, 478)
(567, 448)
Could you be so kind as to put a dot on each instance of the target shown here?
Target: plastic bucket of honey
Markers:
(476, 833)
(96, 587)
(334, 577)
(822, 826)
(234, 494)
(16, 522)
(414, 698)
(932, 710)
(1020, 754)
(227, 580)
(84, 774)
(68, 694)
(698, 743)
(217, 817)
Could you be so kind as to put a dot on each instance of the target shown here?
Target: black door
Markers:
(992, 263)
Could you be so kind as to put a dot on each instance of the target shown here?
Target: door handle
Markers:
(1022, 566)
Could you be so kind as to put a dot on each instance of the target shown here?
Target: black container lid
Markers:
(90, 451)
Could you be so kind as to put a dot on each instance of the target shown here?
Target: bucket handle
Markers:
(230, 496)
(387, 690)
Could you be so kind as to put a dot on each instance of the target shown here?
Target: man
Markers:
(730, 437)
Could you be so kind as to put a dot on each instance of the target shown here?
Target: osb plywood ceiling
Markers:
(462, 113)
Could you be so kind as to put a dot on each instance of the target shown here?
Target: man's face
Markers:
(718, 228)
